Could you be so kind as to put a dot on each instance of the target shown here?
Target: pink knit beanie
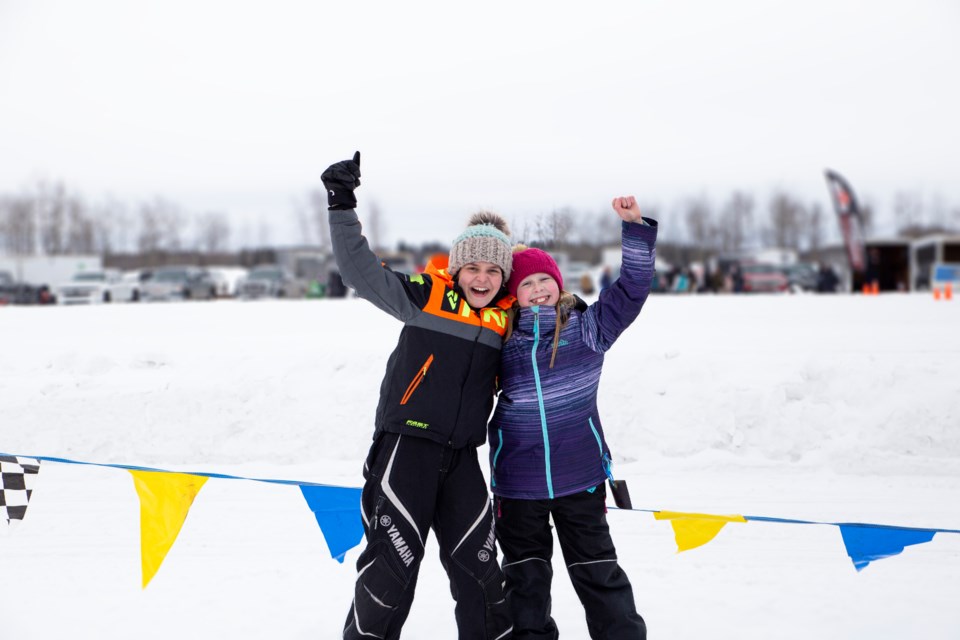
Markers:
(529, 261)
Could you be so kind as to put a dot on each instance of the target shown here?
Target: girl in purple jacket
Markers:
(547, 451)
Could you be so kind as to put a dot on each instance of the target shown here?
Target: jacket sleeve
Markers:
(620, 303)
(361, 269)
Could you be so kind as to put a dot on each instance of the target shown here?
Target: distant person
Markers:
(681, 282)
(335, 286)
(871, 276)
(827, 279)
(422, 470)
(548, 456)
(718, 281)
(606, 278)
(656, 286)
(586, 284)
(736, 278)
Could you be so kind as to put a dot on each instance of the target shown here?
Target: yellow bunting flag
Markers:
(695, 529)
(165, 499)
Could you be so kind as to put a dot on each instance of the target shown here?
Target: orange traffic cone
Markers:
(876, 288)
(936, 293)
(948, 291)
(866, 289)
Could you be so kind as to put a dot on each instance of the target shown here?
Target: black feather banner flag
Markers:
(851, 222)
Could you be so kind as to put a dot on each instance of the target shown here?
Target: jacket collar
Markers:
(437, 267)
(528, 316)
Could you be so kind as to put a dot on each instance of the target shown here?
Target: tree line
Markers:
(48, 218)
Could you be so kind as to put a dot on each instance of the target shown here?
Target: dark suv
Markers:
(271, 281)
(179, 283)
(12, 292)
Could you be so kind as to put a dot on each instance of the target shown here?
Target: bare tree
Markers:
(50, 207)
(80, 230)
(608, 224)
(263, 233)
(113, 226)
(521, 233)
(160, 225)
(150, 235)
(583, 227)
(305, 218)
(554, 228)
(596, 229)
(908, 210)
(815, 230)
(787, 216)
(939, 216)
(213, 232)
(18, 232)
(701, 229)
(736, 222)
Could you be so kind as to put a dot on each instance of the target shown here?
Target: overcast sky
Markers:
(520, 106)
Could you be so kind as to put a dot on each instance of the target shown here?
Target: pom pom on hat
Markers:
(526, 262)
(485, 240)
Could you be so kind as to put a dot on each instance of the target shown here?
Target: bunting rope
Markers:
(204, 474)
(166, 497)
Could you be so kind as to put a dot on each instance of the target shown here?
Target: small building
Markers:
(888, 264)
(932, 256)
(48, 270)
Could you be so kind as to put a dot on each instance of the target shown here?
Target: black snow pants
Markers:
(526, 540)
(413, 484)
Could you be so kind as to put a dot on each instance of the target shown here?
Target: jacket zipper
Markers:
(543, 412)
(417, 379)
(496, 454)
(604, 458)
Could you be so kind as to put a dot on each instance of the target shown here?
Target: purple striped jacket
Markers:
(546, 440)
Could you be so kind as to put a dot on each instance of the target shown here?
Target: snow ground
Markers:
(824, 408)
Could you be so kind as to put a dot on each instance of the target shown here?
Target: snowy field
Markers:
(823, 408)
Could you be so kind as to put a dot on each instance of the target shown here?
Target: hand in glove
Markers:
(340, 179)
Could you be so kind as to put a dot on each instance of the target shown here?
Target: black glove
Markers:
(340, 179)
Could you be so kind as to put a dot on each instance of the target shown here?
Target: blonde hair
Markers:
(564, 305)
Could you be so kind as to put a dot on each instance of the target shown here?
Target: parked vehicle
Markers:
(763, 278)
(271, 281)
(801, 276)
(13, 292)
(136, 278)
(227, 279)
(94, 287)
(179, 283)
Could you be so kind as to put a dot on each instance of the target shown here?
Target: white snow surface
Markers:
(825, 408)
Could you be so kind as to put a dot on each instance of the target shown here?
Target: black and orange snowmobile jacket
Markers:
(440, 379)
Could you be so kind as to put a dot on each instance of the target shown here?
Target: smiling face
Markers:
(538, 288)
(480, 282)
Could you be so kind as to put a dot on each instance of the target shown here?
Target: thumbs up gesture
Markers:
(340, 179)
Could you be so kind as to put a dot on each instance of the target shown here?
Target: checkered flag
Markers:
(17, 478)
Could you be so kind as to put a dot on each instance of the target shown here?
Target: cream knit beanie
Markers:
(485, 240)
